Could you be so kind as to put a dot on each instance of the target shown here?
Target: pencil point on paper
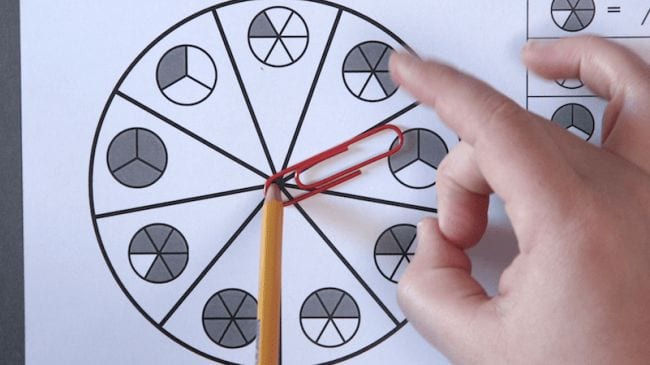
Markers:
(273, 193)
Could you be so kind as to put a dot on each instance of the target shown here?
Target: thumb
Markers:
(444, 303)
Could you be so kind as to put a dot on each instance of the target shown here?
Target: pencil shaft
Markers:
(270, 291)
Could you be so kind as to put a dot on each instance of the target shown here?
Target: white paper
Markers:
(134, 117)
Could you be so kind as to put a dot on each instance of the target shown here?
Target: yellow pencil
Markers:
(268, 307)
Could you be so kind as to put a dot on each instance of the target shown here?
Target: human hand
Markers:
(579, 290)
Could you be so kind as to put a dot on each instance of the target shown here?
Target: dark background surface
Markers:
(12, 329)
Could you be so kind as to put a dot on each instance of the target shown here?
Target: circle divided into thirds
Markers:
(573, 15)
(230, 318)
(366, 72)
(577, 119)
(186, 75)
(394, 250)
(570, 84)
(137, 158)
(278, 36)
(158, 253)
(330, 317)
(416, 164)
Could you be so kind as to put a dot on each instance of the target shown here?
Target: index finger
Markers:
(515, 154)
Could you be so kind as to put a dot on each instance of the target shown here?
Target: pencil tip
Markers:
(273, 193)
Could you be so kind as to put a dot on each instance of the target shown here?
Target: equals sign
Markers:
(614, 9)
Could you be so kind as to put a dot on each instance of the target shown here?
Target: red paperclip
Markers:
(340, 177)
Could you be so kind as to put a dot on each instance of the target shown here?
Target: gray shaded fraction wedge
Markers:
(432, 148)
(575, 115)
(409, 152)
(172, 67)
(404, 235)
(356, 62)
(347, 308)
(262, 27)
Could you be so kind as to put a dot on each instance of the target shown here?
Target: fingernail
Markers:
(537, 47)
(403, 66)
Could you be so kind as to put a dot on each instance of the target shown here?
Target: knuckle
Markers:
(501, 109)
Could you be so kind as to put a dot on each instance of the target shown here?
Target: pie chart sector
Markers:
(573, 15)
(330, 317)
(366, 72)
(278, 37)
(158, 253)
(575, 118)
(186, 75)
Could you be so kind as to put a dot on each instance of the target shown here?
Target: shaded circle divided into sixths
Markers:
(278, 36)
(577, 119)
(330, 317)
(158, 253)
(186, 75)
(416, 164)
(230, 318)
(394, 250)
(137, 158)
(573, 15)
(366, 72)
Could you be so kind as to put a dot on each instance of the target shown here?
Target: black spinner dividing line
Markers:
(211, 264)
(193, 135)
(178, 202)
(312, 90)
(395, 116)
(344, 261)
(249, 105)
(372, 200)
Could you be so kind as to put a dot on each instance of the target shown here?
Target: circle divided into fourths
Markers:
(158, 253)
(186, 75)
(394, 250)
(416, 164)
(230, 318)
(330, 317)
(577, 119)
(278, 36)
(366, 72)
(137, 158)
(573, 15)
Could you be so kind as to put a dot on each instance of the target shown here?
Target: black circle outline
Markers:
(173, 229)
(390, 165)
(581, 106)
(302, 307)
(246, 294)
(91, 168)
(346, 83)
(108, 151)
(250, 46)
(574, 31)
(582, 84)
(214, 66)
(377, 243)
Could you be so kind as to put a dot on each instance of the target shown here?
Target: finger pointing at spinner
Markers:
(497, 128)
